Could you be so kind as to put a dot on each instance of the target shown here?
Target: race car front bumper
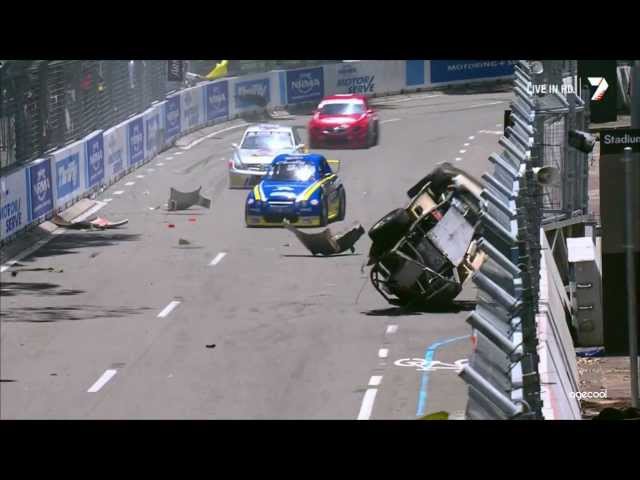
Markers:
(349, 137)
(239, 178)
(271, 216)
(267, 221)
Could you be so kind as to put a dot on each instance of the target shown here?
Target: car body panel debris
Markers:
(184, 200)
(325, 243)
(97, 223)
(422, 254)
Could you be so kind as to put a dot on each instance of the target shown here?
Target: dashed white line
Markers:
(107, 200)
(217, 259)
(383, 353)
(168, 309)
(367, 404)
(458, 159)
(463, 151)
(160, 164)
(178, 153)
(168, 158)
(471, 137)
(498, 124)
(392, 329)
(106, 376)
(375, 380)
(139, 176)
(151, 170)
(390, 120)
(119, 192)
(485, 104)
(466, 144)
(129, 184)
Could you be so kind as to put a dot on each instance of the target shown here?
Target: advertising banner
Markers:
(94, 155)
(217, 101)
(305, 85)
(249, 94)
(40, 189)
(152, 132)
(172, 123)
(14, 215)
(191, 108)
(69, 173)
(135, 140)
(115, 146)
(443, 71)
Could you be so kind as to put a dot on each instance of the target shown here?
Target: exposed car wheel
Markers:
(342, 213)
(324, 215)
(377, 135)
(370, 138)
(390, 228)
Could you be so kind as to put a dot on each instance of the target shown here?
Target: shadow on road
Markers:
(56, 314)
(456, 307)
(71, 242)
(10, 289)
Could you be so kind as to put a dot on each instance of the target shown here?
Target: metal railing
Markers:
(45, 105)
(502, 374)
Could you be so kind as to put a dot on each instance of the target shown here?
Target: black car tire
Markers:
(377, 134)
(342, 212)
(390, 228)
(324, 216)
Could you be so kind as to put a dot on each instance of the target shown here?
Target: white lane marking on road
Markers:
(390, 120)
(477, 105)
(106, 376)
(151, 170)
(498, 124)
(178, 153)
(159, 164)
(458, 159)
(367, 404)
(196, 142)
(107, 200)
(492, 132)
(119, 192)
(129, 184)
(463, 151)
(392, 329)
(401, 100)
(218, 259)
(375, 380)
(168, 158)
(471, 137)
(168, 309)
(383, 353)
(466, 144)
(139, 176)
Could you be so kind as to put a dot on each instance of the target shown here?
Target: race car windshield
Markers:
(342, 108)
(292, 172)
(266, 141)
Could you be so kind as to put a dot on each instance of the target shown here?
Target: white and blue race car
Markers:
(301, 190)
(259, 146)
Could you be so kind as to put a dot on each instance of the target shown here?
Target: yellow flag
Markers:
(220, 70)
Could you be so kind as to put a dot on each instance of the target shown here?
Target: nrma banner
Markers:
(135, 140)
(217, 101)
(172, 125)
(443, 71)
(246, 92)
(94, 156)
(305, 85)
(40, 189)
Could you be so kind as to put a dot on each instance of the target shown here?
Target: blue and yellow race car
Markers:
(301, 189)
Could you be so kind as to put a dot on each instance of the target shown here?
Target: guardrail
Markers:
(502, 374)
(34, 192)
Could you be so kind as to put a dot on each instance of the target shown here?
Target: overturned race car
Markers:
(301, 189)
(422, 254)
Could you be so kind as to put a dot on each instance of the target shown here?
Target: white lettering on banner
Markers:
(627, 139)
(136, 138)
(217, 100)
(173, 116)
(42, 185)
(471, 66)
(95, 157)
(114, 154)
(67, 174)
(254, 89)
(305, 83)
(190, 109)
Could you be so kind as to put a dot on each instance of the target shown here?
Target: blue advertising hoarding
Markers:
(252, 88)
(454, 70)
(217, 101)
(67, 176)
(172, 117)
(95, 160)
(40, 189)
(135, 141)
(305, 85)
(415, 72)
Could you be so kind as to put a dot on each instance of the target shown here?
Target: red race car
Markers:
(344, 120)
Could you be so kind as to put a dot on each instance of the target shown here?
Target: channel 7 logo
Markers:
(601, 87)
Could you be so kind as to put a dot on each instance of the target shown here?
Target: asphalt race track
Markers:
(262, 330)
